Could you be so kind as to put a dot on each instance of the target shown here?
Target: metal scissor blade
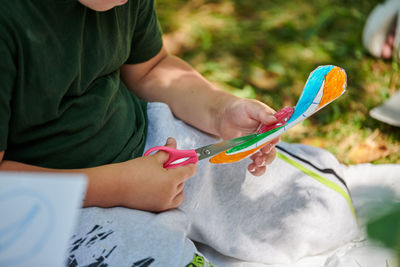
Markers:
(211, 150)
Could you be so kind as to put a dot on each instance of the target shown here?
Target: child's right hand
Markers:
(146, 185)
(140, 183)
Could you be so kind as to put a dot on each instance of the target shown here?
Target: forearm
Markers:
(190, 96)
(140, 183)
(103, 185)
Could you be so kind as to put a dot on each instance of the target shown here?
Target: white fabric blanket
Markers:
(372, 187)
(298, 214)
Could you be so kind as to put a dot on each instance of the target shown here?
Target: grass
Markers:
(265, 49)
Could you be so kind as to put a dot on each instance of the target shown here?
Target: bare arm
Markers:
(166, 78)
(141, 183)
(97, 184)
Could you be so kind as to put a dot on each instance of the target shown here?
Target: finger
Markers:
(260, 161)
(266, 114)
(265, 159)
(261, 113)
(178, 199)
(252, 167)
(267, 148)
(276, 140)
(256, 171)
(267, 118)
(180, 187)
(183, 173)
(171, 142)
(255, 155)
(163, 156)
(260, 171)
(270, 156)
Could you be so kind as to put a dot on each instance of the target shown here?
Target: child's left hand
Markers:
(242, 117)
(196, 101)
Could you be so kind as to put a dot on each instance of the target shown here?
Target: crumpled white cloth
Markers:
(278, 218)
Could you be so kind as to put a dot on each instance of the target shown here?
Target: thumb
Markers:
(163, 156)
(171, 142)
(267, 117)
(262, 113)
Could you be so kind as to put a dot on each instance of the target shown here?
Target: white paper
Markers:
(37, 216)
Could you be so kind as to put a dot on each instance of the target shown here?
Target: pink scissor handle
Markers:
(282, 116)
(176, 157)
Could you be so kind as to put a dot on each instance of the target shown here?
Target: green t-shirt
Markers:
(62, 103)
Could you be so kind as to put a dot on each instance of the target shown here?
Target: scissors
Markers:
(179, 157)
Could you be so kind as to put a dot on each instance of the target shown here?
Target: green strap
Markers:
(320, 179)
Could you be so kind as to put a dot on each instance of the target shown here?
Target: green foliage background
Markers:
(386, 228)
(265, 49)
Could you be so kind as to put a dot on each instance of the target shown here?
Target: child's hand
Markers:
(146, 185)
(242, 117)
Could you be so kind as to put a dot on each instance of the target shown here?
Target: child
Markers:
(74, 80)
(63, 105)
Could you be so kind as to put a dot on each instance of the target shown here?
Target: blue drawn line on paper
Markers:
(16, 231)
(310, 90)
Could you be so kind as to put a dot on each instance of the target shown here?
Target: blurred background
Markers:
(266, 49)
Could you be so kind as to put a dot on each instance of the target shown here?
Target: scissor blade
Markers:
(211, 150)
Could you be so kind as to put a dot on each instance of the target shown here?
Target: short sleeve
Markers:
(7, 79)
(147, 36)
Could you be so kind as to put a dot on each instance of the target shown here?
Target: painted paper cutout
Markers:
(324, 84)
